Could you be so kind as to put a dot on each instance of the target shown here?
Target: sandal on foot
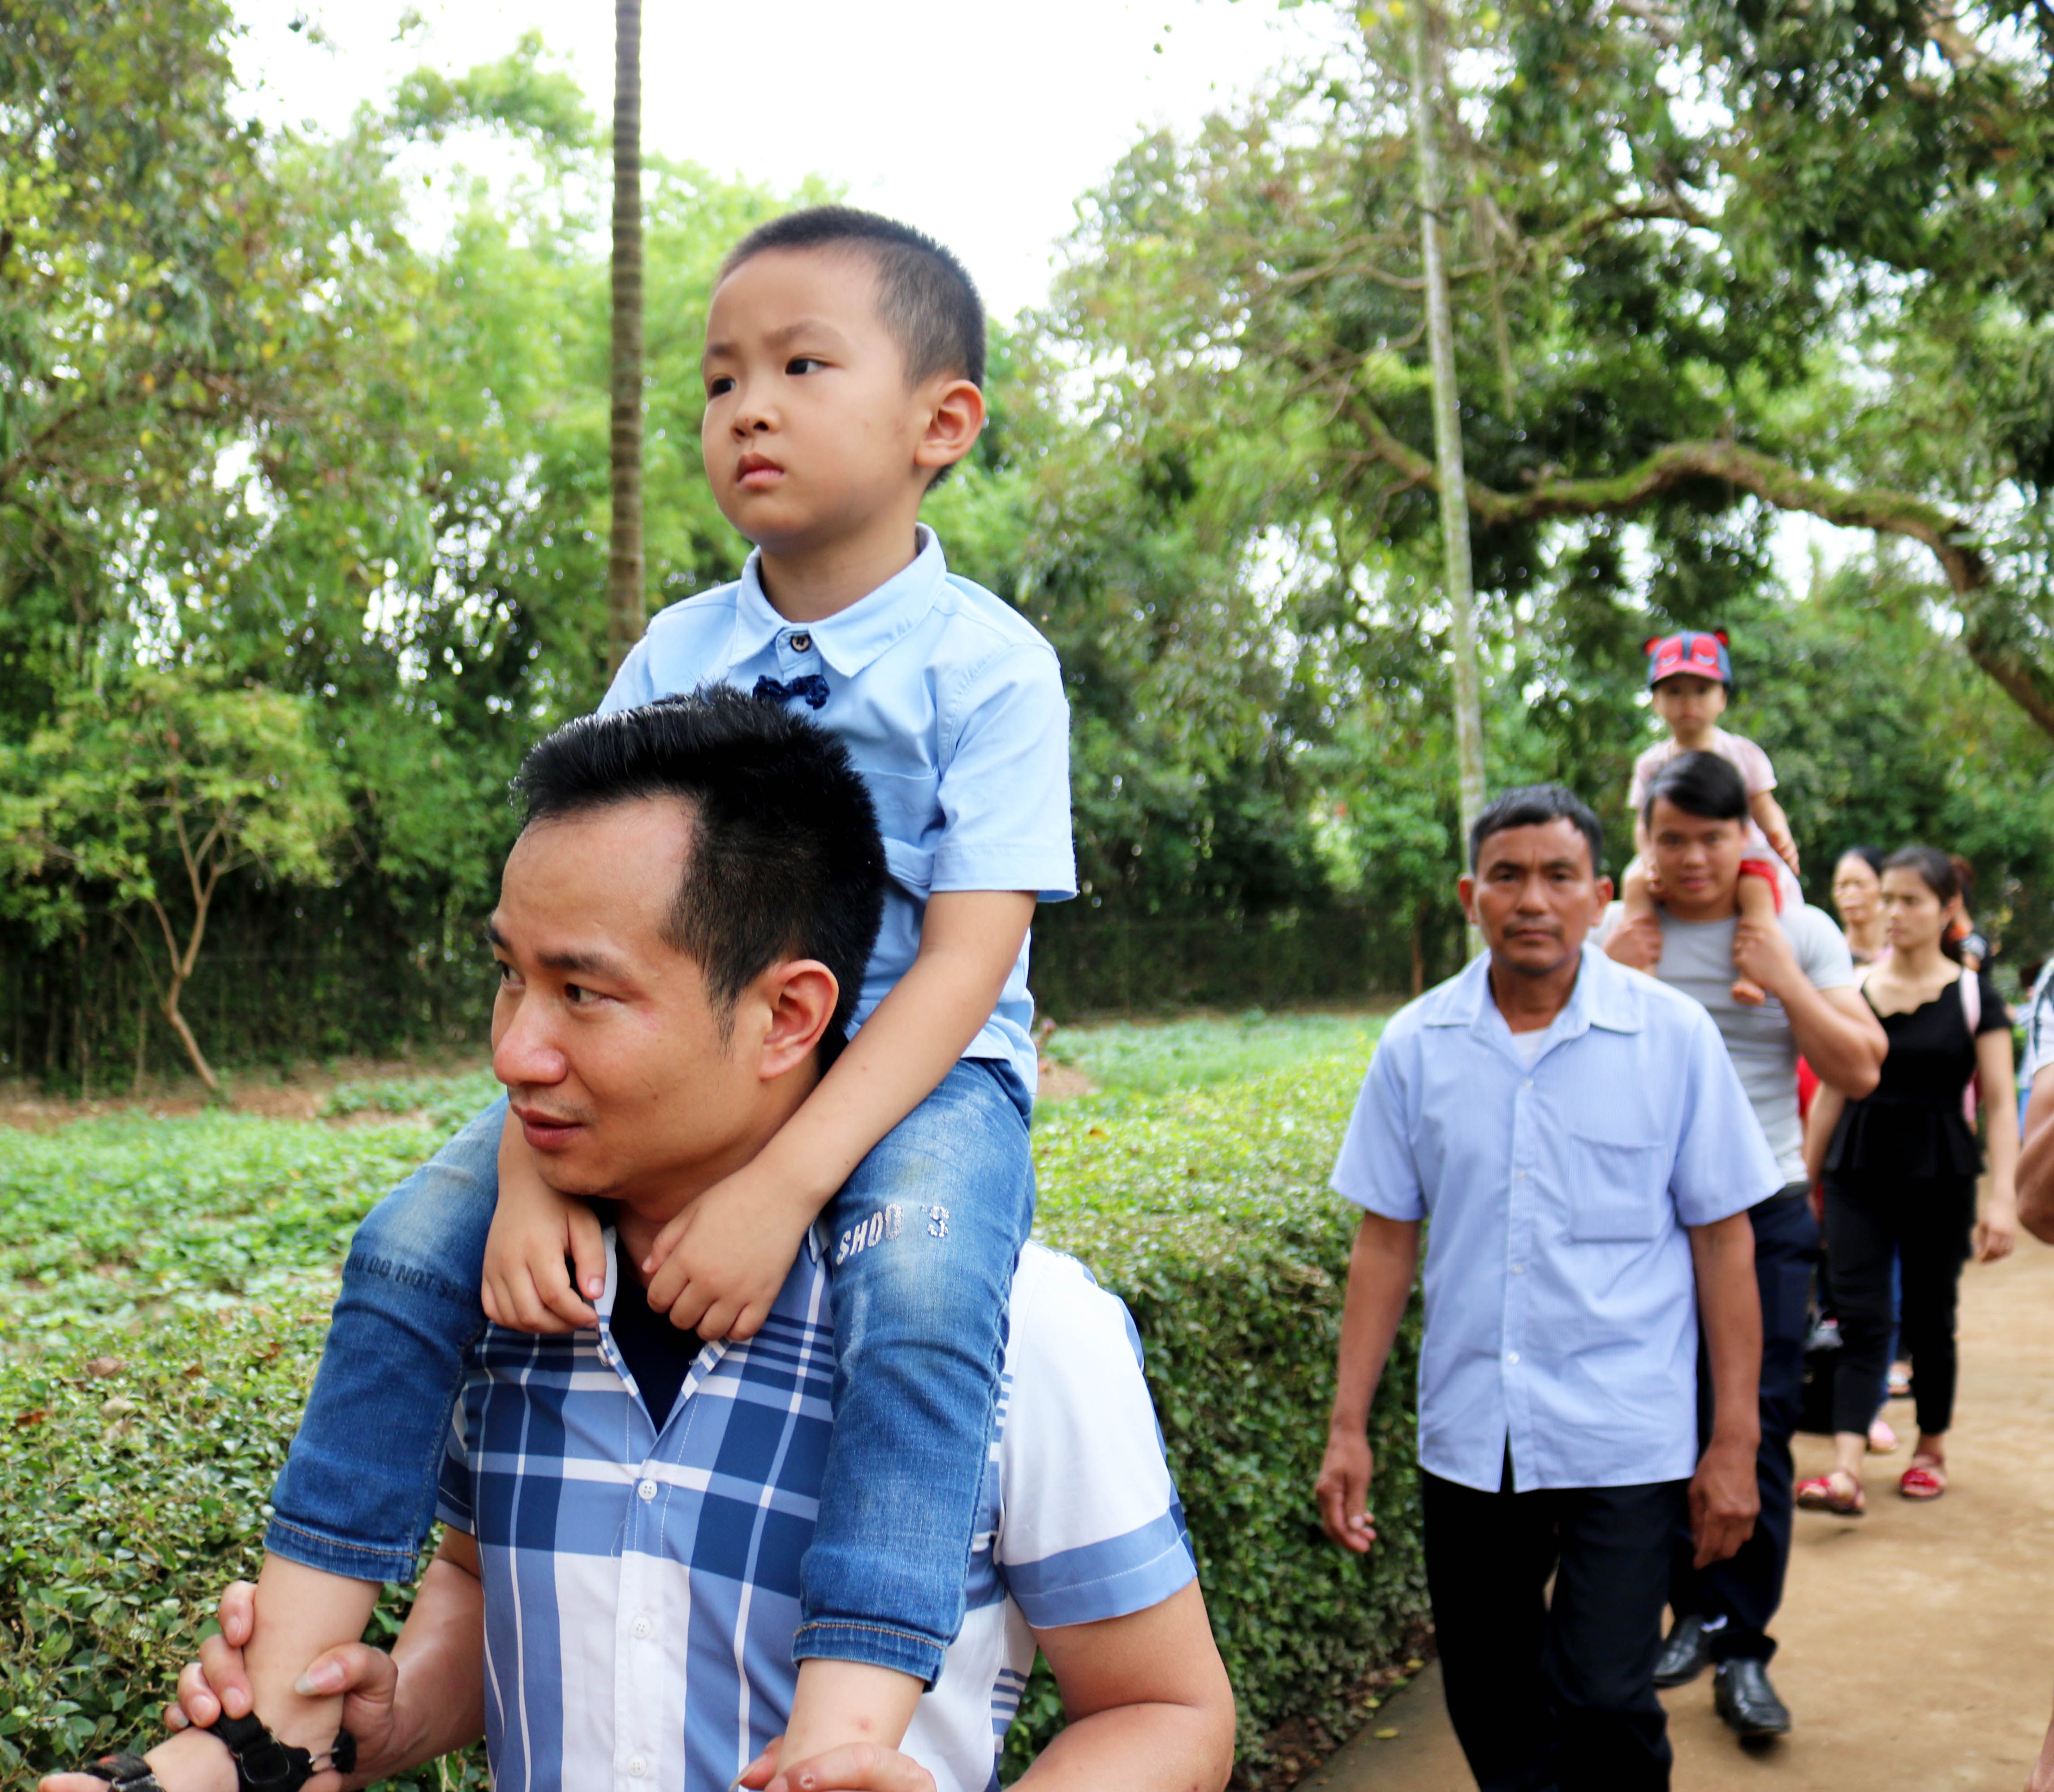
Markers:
(1927, 1478)
(1820, 1495)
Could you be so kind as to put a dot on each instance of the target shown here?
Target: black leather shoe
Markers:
(1687, 1654)
(1747, 1702)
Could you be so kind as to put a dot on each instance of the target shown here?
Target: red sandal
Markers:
(1927, 1478)
(1819, 1494)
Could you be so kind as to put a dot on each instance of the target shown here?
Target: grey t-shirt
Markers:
(1697, 958)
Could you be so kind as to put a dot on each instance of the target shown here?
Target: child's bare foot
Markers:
(1747, 992)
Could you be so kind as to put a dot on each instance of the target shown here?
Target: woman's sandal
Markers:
(1927, 1478)
(1820, 1495)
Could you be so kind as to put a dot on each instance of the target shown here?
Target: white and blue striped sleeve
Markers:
(454, 1501)
(1089, 1523)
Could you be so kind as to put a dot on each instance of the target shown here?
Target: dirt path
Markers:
(1918, 1642)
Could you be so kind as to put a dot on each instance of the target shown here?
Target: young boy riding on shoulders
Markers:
(843, 365)
(1690, 677)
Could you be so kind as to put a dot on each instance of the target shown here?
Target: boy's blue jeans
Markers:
(942, 1207)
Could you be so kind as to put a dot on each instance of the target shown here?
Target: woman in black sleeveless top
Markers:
(1900, 1176)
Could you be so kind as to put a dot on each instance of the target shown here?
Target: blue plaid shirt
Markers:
(642, 1585)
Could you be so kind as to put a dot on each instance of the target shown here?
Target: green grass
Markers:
(1144, 1058)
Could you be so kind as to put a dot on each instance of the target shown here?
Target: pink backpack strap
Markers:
(1972, 1000)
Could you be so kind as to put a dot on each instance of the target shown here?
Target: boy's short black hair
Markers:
(1701, 784)
(1534, 806)
(925, 297)
(786, 861)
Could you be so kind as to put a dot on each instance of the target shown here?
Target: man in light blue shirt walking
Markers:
(1587, 1156)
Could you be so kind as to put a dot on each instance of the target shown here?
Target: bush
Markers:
(162, 1291)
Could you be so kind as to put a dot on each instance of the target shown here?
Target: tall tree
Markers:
(626, 604)
(1429, 72)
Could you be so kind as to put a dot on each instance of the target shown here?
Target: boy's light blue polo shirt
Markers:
(951, 706)
(1561, 1301)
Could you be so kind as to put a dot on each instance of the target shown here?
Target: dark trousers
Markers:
(1925, 1224)
(1738, 1596)
(1553, 1695)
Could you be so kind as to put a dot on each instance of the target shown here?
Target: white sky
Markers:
(979, 122)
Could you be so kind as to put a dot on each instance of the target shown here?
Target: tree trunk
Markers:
(1428, 32)
(626, 606)
(177, 1021)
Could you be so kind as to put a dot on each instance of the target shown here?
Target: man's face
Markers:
(1697, 860)
(810, 426)
(602, 1031)
(1689, 705)
(1535, 894)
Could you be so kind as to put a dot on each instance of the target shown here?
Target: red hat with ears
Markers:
(1692, 653)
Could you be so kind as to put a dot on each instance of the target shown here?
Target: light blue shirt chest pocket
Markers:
(1614, 1183)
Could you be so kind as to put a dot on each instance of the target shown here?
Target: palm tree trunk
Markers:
(1429, 30)
(626, 606)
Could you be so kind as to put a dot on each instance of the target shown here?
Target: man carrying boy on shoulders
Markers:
(1695, 820)
(1587, 1156)
(681, 928)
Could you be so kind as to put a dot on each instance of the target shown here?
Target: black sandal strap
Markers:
(122, 1771)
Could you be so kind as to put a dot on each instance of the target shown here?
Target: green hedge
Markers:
(163, 1286)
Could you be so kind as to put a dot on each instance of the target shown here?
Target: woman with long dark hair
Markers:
(1900, 1175)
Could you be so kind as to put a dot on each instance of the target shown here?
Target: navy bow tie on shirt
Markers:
(813, 687)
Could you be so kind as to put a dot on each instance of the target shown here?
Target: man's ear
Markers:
(798, 998)
(1465, 891)
(955, 419)
(1604, 895)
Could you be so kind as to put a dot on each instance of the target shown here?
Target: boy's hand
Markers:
(717, 1267)
(1761, 950)
(1636, 943)
(533, 1230)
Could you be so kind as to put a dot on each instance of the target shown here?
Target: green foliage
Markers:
(442, 1101)
(162, 1285)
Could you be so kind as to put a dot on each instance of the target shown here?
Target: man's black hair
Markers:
(1534, 806)
(925, 297)
(786, 861)
(1701, 784)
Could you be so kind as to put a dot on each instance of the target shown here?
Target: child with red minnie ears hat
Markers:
(1690, 675)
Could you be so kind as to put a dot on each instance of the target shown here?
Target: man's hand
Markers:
(1636, 943)
(858, 1768)
(1761, 950)
(717, 1267)
(534, 1228)
(1342, 1492)
(1725, 1499)
(366, 1676)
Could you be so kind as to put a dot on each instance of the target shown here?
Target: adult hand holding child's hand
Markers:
(1761, 951)
(855, 1768)
(1636, 943)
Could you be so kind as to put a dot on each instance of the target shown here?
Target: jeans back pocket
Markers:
(1617, 1188)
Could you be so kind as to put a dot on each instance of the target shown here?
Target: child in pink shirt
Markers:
(1689, 675)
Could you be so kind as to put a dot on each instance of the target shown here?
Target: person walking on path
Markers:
(1858, 896)
(1588, 1156)
(1694, 823)
(1899, 1170)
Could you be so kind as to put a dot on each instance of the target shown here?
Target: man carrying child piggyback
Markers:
(842, 363)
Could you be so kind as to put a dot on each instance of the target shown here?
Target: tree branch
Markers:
(1884, 512)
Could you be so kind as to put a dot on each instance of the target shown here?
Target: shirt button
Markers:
(637, 1766)
(802, 643)
(1528, 1083)
(1519, 1269)
(647, 1490)
(1519, 1175)
(641, 1627)
(1512, 1356)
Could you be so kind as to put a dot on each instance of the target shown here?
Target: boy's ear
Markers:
(955, 419)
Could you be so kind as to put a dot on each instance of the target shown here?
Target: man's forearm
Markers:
(1730, 1310)
(2035, 1161)
(1137, 1748)
(1844, 1049)
(1381, 1265)
(439, 1706)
